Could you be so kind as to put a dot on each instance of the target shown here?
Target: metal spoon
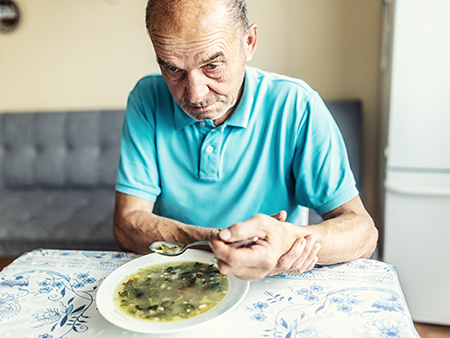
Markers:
(174, 248)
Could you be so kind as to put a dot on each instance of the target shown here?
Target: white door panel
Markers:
(417, 234)
(419, 122)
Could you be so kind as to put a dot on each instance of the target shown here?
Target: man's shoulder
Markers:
(271, 81)
(151, 80)
(149, 88)
(150, 93)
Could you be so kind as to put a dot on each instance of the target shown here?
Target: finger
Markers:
(247, 263)
(313, 263)
(312, 258)
(302, 259)
(306, 263)
(280, 216)
(288, 259)
(245, 273)
(250, 255)
(214, 233)
(293, 256)
(245, 230)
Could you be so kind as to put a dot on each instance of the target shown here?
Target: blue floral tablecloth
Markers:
(51, 293)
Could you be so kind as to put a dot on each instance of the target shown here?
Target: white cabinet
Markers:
(417, 186)
(417, 242)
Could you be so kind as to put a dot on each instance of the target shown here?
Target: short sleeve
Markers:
(138, 173)
(324, 179)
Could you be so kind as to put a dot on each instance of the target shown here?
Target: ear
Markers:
(250, 43)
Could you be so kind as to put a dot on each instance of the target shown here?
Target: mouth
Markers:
(201, 109)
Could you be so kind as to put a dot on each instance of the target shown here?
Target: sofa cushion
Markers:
(56, 219)
(60, 150)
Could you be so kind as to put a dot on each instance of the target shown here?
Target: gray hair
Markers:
(237, 10)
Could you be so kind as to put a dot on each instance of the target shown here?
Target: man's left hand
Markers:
(300, 258)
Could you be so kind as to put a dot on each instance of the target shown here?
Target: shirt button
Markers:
(202, 124)
(209, 149)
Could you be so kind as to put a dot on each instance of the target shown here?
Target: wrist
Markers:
(213, 233)
(295, 232)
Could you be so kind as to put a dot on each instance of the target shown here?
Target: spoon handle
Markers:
(237, 244)
(197, 243)
(244, 243)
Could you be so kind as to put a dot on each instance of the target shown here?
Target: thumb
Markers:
(225, 234)
(244, 230)
(255, 226)
(280, 216)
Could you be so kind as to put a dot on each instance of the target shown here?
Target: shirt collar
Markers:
(239, 118)
(181, 118)
(241, 115)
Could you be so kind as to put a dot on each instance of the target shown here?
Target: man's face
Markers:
(202, 59)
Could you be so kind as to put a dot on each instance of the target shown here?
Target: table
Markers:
(51, 293)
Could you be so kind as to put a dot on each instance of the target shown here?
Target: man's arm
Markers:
(347, 233)
(135, 226)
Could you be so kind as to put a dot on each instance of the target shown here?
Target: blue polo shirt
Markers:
(280, 150)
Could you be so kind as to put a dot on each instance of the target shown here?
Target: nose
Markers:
(196, 87)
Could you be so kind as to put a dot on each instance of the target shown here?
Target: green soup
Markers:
(167, 292)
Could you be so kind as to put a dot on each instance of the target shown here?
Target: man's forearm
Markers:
(347, 233)
(344, 238)
(139, 229)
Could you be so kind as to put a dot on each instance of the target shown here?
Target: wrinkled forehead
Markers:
(188, 20)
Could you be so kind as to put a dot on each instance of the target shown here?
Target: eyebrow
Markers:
(212, 58)
(164, 63)
(208, 60)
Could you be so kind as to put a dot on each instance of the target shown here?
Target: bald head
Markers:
(202, 52)
(162, 13)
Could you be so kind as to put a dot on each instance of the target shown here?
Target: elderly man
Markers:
(213, 149)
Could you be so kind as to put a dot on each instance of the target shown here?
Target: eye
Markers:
(173, 69)
(212, 66)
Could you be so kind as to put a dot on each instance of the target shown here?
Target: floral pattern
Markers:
(9, 306)
(386, 328)
(52, 294)
(68, 297)
(301, 311)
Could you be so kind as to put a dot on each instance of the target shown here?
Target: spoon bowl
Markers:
(167, 248)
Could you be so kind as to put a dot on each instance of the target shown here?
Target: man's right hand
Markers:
(262, 258)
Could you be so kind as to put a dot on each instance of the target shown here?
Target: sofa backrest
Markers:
(348, 116)
(59, 150)
(81, 149)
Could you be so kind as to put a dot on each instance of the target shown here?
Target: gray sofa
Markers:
(57, 173)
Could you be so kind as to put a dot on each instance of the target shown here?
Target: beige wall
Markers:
(73, 54)
(335, 46)
(87, 54)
